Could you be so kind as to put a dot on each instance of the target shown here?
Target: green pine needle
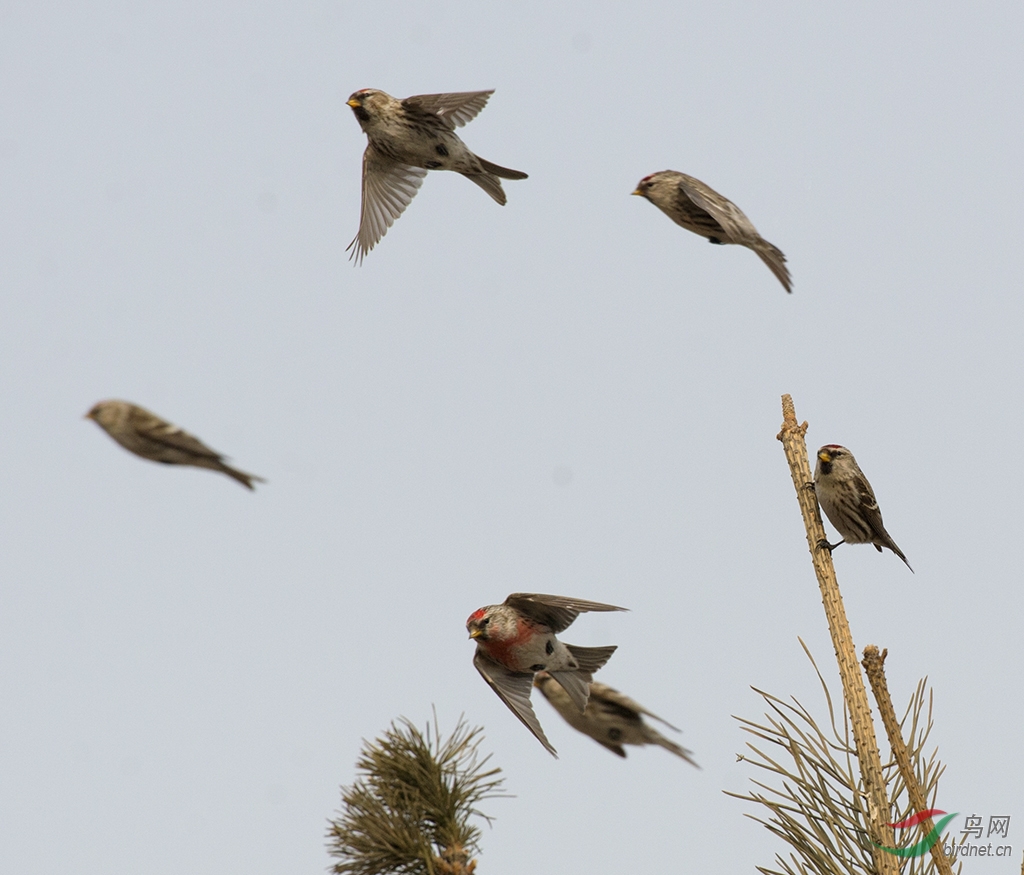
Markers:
(409, 812)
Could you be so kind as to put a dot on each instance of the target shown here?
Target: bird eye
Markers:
(485, 621)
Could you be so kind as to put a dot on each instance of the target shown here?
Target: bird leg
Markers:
(823, 544)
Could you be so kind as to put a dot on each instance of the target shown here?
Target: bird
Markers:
(699, 208)
(153, 438)
(849, 502)
(516, 639)
(406, 138)
(610, 718)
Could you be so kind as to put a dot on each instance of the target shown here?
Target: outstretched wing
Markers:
(734, 222)
(554, 611)
(513, 688)
(388, 188)
(457, 108)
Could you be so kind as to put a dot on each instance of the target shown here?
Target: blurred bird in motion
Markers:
(516, 639)
(406, 139)
(610, 718)
(149, 436)
(701, 209)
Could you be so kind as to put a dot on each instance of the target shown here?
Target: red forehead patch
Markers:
(478, 614)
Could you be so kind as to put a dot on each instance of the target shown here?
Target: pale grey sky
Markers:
(187, 670)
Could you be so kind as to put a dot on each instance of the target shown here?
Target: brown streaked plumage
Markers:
(610, 718)
(699, 208)
(849, 501)
(153, 438)
(407, 138)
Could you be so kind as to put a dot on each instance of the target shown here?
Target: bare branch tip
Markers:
(788, 410)
(789, 423)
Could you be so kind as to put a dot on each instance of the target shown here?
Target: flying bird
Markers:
(701, 209)
(406, 139)
(516, 639)
(610, 718)
(849, 501)
(153, 438)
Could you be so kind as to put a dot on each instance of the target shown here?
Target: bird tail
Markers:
(498, 170)
(891, 544)
(776, 261)
(489, 183)
(656, 737)
(246, 480)
(590, 659)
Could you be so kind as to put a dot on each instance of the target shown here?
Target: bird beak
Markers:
(89, 415)
(353, 102)
(825, 456)
(476, 633)
(637, 191)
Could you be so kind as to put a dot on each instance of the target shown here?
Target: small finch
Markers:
(406, 139)
(701, 209)
(849, 502)
(515, 640)
(149, 436)
(610, 718)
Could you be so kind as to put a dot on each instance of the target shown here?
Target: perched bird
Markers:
(149, 436)
(849, 502)
(610, 718)
(515, 640)
(406, 139)
(701, 209)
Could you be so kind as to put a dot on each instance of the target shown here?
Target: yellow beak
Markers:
(637, 192)
(353, 102)
(824, 456)
(476, 633)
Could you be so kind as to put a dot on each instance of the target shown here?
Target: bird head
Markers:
(366, 103)
(105, 413)
(644, 186)
(832, 454)
(661, 188)
(477, 624)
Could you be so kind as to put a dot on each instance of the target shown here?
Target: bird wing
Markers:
(868, 505)
(513, 688)
(606, 697)
(554, 611)
(732, 219)
(873, 517)
(457, 109)
(151, 427)
(388, 188)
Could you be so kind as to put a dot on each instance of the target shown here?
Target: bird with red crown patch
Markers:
(697, 207)
(517, 639)
(849, 501)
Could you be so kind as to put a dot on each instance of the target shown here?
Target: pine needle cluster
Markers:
(817, 802)
(410, 810)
